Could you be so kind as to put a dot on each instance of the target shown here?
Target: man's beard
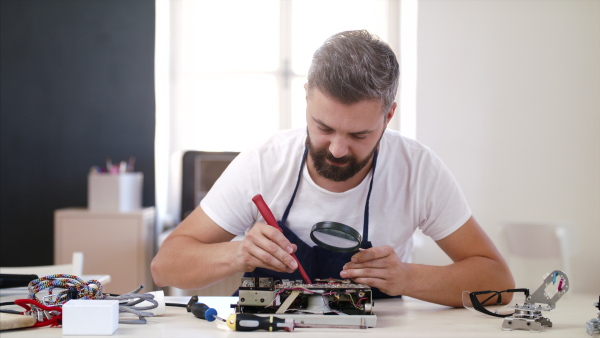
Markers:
(335, 173)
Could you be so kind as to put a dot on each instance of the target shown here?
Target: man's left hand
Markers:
(378, 267)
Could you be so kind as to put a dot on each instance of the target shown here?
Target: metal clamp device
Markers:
(529, 315)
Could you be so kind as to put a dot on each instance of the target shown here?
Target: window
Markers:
(237, 70)
(239, 67)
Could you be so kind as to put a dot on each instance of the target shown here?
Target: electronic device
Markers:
(330, 301)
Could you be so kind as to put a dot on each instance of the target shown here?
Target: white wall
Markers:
(508, 94)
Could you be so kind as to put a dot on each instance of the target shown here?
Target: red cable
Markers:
(54, 321)
(266, 213)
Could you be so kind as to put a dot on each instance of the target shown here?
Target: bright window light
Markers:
(232, 73)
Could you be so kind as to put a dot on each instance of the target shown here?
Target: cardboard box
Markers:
(115, 192)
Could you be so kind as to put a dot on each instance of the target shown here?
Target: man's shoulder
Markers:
(394, 141)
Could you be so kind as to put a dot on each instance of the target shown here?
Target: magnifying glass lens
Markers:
(335, 237)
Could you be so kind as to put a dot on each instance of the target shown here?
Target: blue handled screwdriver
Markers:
(202, 311)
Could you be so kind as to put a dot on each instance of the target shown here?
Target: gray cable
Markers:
(133, 298)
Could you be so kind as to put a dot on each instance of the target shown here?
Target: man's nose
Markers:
(338, 147)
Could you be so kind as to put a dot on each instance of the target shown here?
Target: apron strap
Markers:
(366, 219)
(289, 206)
(366, 215)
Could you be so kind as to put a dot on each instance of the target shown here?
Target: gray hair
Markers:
(353, 66)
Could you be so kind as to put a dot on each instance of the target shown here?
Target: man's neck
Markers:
(333, 186)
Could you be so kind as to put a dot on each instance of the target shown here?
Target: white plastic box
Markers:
(115, 192)
(90, 317)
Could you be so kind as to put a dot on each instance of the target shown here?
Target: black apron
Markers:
(319, 262)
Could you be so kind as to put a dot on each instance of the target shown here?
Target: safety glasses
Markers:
(495, 303)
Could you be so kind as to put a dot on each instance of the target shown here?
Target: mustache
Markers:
(340, 160)
(326, 154)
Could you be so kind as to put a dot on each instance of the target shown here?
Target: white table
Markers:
(405, 317)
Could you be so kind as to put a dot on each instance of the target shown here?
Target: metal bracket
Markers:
(592, 326)
(533, 325)
(529, 315)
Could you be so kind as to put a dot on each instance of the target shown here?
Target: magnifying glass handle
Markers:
(266, 213)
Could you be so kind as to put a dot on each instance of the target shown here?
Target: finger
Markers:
(372, 254)
(280, 247)
(266, 247)
(254, 257)
(380, 263)
(277, 237)
(270, 262)
(364, 273)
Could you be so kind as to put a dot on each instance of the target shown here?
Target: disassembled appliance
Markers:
(330, 301)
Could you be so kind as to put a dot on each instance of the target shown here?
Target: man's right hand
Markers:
(266, 247)
(199, 253)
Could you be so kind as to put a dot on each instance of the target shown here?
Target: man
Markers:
(348, 168)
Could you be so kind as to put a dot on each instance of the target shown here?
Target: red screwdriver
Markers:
(266, 213)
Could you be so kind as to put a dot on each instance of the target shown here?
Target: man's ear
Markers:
(390, 113)
(306, 90)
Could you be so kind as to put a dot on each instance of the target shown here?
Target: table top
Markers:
(395, 318)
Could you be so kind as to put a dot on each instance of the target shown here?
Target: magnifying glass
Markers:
(335, 237)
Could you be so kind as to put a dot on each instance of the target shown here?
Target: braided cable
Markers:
(127, 304)
(91, 289)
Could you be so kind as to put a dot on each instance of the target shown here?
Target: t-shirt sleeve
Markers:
(445, 206)
(229, 202)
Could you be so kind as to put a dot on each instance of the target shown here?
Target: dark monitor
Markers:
(200, 171)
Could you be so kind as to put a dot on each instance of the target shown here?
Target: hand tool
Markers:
(266, 213)
(202, 311)
(249, 322)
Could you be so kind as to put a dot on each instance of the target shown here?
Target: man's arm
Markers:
(199, 253)
(477, 266)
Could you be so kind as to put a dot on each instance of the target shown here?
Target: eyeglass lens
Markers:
(494, 303)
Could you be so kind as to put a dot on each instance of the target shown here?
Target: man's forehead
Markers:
(357, 131)
(317, 95)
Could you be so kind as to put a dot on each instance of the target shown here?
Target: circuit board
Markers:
(317, 302)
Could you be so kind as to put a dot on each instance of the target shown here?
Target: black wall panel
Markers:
(76, 87)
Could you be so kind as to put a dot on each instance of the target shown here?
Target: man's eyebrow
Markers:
(321, 123)
(360, 132)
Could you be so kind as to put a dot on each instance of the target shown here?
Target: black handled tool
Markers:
(248, 322)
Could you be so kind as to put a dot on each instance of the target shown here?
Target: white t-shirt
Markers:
(411, 188)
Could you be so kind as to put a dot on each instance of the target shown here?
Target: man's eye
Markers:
(359, 137)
